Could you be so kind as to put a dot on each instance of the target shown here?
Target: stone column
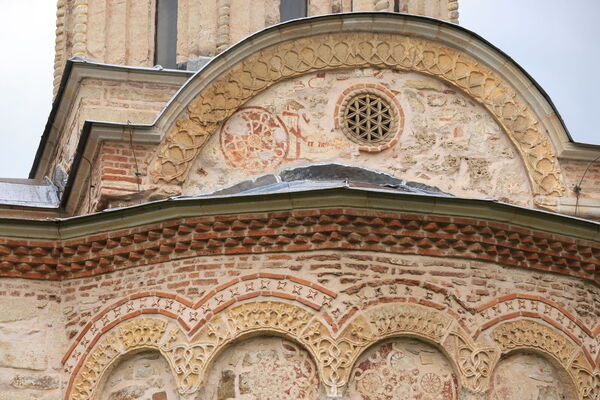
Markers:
(80, 16)
(60, 44)
(223, 17)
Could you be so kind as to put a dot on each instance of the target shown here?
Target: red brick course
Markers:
(302, 230)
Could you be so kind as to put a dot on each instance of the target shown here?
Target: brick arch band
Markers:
(261, 70)
(190, 357)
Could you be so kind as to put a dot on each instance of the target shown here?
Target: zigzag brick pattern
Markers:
(301, 230)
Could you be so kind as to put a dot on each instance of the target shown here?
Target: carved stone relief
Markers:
(142, 332)
(586, 380)
(280, 316)
(403, 369)
(260, 71)
(528, 334)
(263, 368)
(397, 318)
(89, 376)
(331, 356)
(189, 360)
(142, 376)
(475, 363)
(524, 335)
(193, 315)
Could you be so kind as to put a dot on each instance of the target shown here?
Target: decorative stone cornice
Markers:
(302, 230)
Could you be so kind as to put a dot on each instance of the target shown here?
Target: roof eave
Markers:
(125, 218)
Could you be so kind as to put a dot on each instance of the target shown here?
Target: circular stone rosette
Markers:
(370, 116)
(254, 139)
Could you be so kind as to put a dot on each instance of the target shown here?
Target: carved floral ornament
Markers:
(370, 117)
(335, 354)
(256, 73)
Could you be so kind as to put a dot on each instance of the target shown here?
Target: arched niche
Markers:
(140, 375)
(403, 368)
(526, 375)
(262, 367)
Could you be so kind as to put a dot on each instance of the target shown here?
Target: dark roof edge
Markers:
(83, 139)
(48, 127)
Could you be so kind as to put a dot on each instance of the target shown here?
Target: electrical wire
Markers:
(137, 171)
(577, 188)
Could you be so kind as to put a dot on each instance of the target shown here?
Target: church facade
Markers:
(297, 200)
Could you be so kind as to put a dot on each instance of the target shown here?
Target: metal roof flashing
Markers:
(29, 193)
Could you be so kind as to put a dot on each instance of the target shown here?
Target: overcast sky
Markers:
(556, 41)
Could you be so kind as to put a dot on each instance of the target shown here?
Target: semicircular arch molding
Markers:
(281, 60)
(529, 335)
(192, 314)
(334, 353)
(130, 337)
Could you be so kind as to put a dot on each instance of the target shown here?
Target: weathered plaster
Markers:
(445, 139)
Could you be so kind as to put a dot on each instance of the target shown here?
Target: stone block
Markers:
(26, 355)
(23, 346)
(19, 309)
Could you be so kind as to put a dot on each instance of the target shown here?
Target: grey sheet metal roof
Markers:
(28, 192)
(322, 176)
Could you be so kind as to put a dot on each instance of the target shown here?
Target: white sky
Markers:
(556, 41)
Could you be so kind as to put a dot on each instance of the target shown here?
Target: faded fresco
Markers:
(403, 369)
(264, 368)
(529, 377)
(441, 136)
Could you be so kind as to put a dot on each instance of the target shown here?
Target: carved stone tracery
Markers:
(96, 364)
(260, 71)
(334, 354)
(368, 119)
(142, 332)
(528, 334)
(475, 363)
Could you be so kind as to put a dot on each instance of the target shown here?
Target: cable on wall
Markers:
(137, 170)
(577, 189)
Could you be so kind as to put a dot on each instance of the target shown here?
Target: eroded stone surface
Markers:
(19, 309)
(445, 139)
(39, 382)
(403, 369)
(23, 345)
(143, 376)
(263, 369)
(32, 341)
(530, 377)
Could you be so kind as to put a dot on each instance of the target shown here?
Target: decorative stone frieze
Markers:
(335, 353)
(301, 230)
(257, 72)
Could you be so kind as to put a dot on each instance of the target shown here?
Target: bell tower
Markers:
(185, 33)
